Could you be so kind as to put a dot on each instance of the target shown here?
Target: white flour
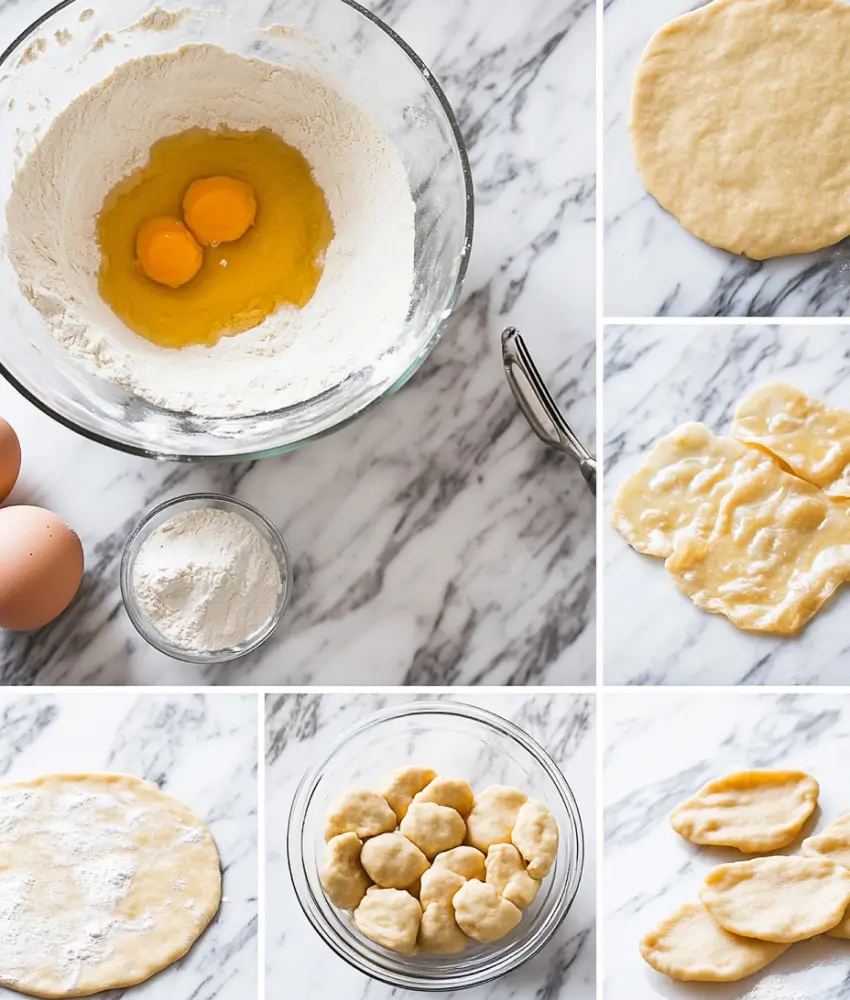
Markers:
(207, 580)
(362, 300)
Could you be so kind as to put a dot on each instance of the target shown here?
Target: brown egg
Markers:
(41, 567)
(10, 459)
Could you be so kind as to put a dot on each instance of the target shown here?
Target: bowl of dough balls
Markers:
(435, 846)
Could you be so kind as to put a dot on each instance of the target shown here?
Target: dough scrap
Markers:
(691, 946)
(535, 835)
(679, 486)
(507, 874)
(781, 899)
(746, 539)
(390, 918)
(360, 811)
(483, 914)
(809, 437)
(739, 119)
(834, 845)
(433, 828)
(392, 861)
(493, 816)
(452, 792)
(464, 860)
(439, 931)
(104, 881)
(400, 786)
(755, 811)
(341, 873)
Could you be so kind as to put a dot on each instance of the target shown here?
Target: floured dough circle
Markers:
(691, 946)
(103, 882)
(739, 121)
(781, 899)
(755, 811)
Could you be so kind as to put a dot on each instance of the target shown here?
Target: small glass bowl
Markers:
(198, 501)
(457, 740)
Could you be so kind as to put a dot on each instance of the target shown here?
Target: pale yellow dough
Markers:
(809, 437)
(781, 899)
(743, 537)
(108, 881)
(691, 946)
(740, 124)
(833, 844)
(755, 811)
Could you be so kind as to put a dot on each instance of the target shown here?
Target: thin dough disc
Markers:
(690, 945)
(809, 437)
(755, 811)
(782, 899)
(833, 844)
(740, 124)
(103, 882)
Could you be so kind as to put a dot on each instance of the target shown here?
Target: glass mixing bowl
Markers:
(44, 70)
(459, 741)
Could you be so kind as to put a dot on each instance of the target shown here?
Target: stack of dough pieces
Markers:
(753, 526)
(750, 912)
(426, 865)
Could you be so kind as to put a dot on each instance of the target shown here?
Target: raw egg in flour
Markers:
(217, 231)
(219, 209)
(10, 459)
(41, 567)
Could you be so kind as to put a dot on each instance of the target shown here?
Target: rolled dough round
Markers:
(740, 124)
(103, 882)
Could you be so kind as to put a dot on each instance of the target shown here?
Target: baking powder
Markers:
(207, 580)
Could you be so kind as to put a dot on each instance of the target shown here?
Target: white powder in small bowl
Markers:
(207, 580)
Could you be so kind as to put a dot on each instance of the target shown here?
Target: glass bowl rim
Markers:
(424, 352)
(301, 800)
(149, 633)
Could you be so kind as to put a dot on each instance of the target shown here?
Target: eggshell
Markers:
(10, 459)
(41, 567)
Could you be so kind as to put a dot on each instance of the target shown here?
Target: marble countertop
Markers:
(656, 379)
(298, 727)
(200, 748)
(659, 749)
(654, 267)
(436, 541)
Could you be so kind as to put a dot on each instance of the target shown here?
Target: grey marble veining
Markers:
(435, 540)
(300, 726)
(657, 378)
(201, 749)
(654, 267)
(660, 748)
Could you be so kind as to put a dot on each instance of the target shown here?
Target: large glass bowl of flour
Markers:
(79, 44)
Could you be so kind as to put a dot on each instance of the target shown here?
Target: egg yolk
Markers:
(219, 209)
(168, 252)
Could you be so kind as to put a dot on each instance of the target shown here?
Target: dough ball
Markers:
(493, 816)
(399, 787)
(451, 792)
(390, 918)
(439, 885)
(535, 836)
(433, 828)
(439, 931)
(466, 861)
(482, 913)
(690, 945)
(359, 811)
(739, 122)
(392, 861)
(755, 811)
(781, 899)
(341, 873)
(506, 873)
